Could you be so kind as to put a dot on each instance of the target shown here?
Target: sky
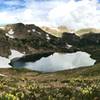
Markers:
(74, 14)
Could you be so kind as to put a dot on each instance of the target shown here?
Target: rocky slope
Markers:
(31, 39)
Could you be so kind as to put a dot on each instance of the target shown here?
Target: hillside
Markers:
(21, 84)
(30, 39)
(34, 43)
(57, 31)
(86, 31)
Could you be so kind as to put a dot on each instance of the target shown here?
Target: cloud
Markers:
(6, 18)
(76, 15)
(34, 12)
(70, 13)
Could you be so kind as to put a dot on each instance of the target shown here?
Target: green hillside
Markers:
(76, 84)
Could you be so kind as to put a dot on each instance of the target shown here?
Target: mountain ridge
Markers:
(31, 39)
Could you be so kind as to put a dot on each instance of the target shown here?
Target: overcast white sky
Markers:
(74, 14)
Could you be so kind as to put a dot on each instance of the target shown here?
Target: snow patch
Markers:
(4, 62)
(68, 46)
(10, 36)
(47, 36)
(15, 54)
(10, 32)
(33, 30)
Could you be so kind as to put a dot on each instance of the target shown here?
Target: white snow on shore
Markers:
(15, 54)
(4, 62)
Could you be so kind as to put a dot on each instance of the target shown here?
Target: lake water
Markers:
(52, 63)
(58, 62)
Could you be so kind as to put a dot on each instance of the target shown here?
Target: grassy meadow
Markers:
(76, 84)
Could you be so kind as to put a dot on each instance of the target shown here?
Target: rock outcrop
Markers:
(31, 39)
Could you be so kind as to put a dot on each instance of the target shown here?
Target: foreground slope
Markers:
(77, 84)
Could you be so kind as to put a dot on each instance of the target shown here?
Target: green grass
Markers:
(76, 84)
